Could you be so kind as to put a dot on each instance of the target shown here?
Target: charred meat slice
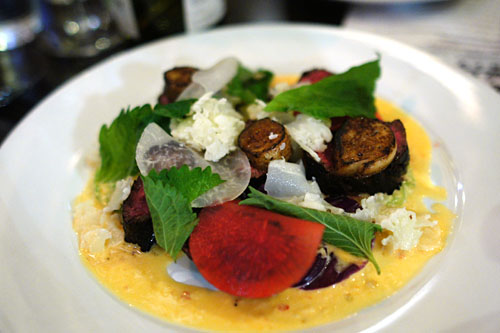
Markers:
(363, 147)
(265, 140)
(314, 75)
(136, 218)
(176, 80)
(385, 180)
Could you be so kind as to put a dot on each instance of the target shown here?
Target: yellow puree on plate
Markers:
(140, 279)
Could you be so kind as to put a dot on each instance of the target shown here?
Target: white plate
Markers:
(43, 285)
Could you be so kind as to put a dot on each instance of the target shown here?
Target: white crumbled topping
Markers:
(95, 240)
(314, 201)
(96, 228)
(311, 134)
(279, 88)
(371, 208)
(272, 136)
(213, 126)
(121, 192)
(255, 111)
(405, 226)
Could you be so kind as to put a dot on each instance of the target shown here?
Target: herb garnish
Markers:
(349, 234)
(169, 195)
(175, 110)
(346, 94)
(248, 86)
(119, 141)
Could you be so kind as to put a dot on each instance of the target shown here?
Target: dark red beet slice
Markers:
(318, 267)
(251, 252)
(348, 204)
(324, 272)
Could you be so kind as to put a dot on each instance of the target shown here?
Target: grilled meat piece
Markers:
(136, 218)
(385, 180)
(314, 75)
(265, 140)
(176, 80)
(363, 147)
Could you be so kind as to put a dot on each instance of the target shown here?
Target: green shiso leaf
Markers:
(346, 94)
(175, 110)
(248, 86)
(169, 195)
(349, 234)
(119, 141)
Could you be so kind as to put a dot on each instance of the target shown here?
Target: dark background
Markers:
(40, 73)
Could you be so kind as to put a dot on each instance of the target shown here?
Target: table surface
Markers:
(41, 73)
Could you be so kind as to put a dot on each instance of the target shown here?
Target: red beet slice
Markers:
(251, 252)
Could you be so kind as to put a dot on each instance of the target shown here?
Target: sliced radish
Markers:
(251, 252)
(236, 171)
(158, 150)
(212, 79)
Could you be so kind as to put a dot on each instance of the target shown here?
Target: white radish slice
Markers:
(212, 79)
(235, 170)
(158, 150)
(285, 179)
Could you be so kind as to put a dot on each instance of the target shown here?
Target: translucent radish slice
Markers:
(235, 170)
(158, 150)
(212, 79)
(285, 179)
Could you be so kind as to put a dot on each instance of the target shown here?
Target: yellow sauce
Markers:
(140, 279)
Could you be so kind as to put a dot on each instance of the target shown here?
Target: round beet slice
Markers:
(251, 252)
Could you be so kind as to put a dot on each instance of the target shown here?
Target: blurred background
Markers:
(43, 43)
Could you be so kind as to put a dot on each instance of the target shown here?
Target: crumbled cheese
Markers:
(314, 201)
(121, 192)
(311, 134)
(405, 226)
(95, 240)
(213, 126)
(279, 88)
(255, 111)
(272, 136)
(371, 207)
(97, 229)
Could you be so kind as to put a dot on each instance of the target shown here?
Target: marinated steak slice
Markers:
(176, 80)
(136, 219)
(385, 180)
